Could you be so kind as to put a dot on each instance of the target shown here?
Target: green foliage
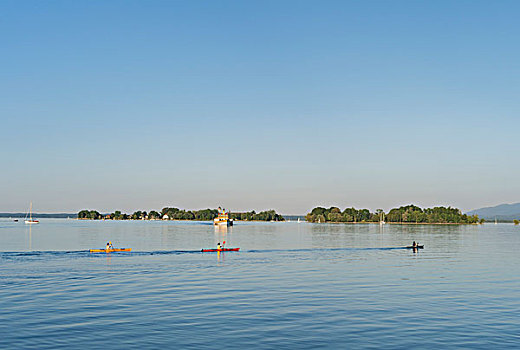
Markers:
(334, 214)
(405, 214)
(92, 215)
(516, 222)
(205, 214)
(138, 215)
(153, 215)
(117, 215)
(201, 215)
(268, 215)
(245, 216)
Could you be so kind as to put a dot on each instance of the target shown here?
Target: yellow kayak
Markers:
(110, 250)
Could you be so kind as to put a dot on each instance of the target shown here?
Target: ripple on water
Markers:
(337, 287)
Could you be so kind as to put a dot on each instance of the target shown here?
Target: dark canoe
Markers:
(416, 247)
(221, 250)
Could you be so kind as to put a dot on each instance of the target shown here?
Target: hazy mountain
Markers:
(502, 212)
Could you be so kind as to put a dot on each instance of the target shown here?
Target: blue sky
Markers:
(258, 104)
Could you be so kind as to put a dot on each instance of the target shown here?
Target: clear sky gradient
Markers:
(288, 105)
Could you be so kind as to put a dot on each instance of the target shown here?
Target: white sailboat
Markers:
(31, 221)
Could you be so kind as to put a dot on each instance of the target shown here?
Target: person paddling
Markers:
(109, 245)
(414, 244)
(219, 247)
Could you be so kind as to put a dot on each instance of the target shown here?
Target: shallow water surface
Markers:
(291, 286)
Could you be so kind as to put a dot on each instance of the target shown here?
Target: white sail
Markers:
(30, 221)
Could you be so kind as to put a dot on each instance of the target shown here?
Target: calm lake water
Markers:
(292, 286)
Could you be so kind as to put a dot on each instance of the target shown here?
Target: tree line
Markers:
(404, 214)
(268, 215)
(180, 214)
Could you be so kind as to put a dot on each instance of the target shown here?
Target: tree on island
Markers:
(89, 214)
(138, 215)
(153, 215)
(334, 214)
(268, 215)
(118, 215)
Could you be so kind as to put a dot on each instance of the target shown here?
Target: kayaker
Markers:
(414, 244)
(219, 246)
(108, 246)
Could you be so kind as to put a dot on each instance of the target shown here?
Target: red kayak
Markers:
(221, 250)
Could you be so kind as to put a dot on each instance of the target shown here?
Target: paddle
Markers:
(223, 244)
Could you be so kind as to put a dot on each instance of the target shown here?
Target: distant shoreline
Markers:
(40, 215)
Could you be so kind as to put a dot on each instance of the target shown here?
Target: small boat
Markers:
(220, 250)
(30, 221)
(110, 250)
(416, 247)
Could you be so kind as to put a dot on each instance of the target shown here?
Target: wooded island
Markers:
(405, 214)
(180, 214)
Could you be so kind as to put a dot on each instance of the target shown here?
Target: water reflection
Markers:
(30, 237)
(221, 234)
(223, 229)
